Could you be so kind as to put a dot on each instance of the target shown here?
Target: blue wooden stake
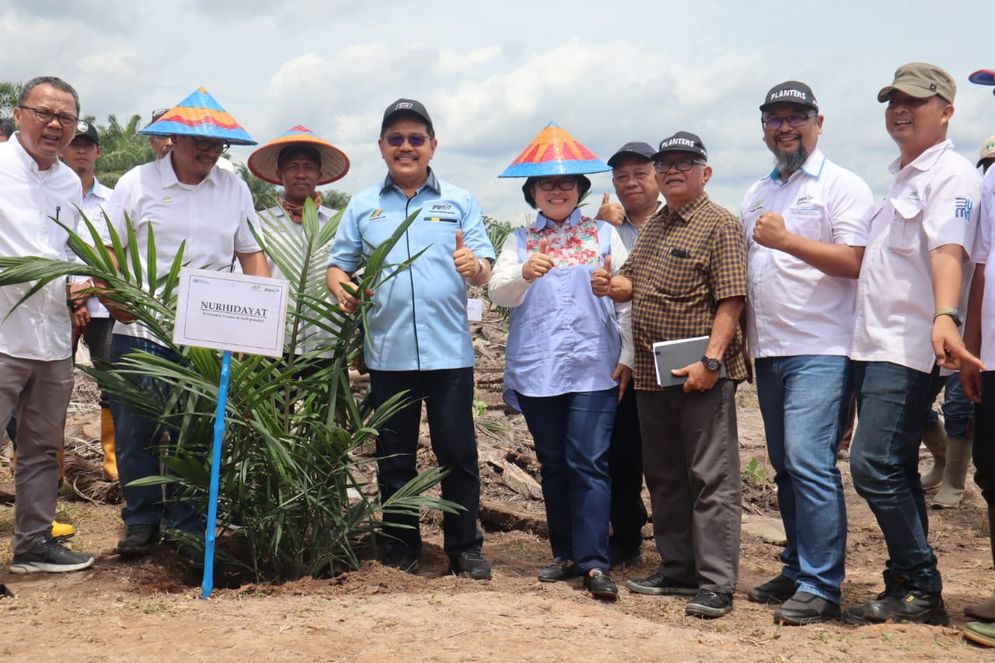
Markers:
(212, 504)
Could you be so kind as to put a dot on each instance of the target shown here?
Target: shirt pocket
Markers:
(680, 273)
(905, 227)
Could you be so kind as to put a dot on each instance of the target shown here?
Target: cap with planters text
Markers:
(635, 149)
(921, 80)
(790, 92)
(406, 106)
(682, 141)
(84, 128)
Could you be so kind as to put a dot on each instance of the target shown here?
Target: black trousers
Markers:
(984, 439)
(625, 465)
(448, 397)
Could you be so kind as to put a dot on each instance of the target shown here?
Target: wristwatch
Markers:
(952, 312)
(711, 364)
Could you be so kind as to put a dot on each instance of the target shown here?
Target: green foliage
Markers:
(290, 502)
(124, 148)
(8, 97)
(755, 472)
(497, 232)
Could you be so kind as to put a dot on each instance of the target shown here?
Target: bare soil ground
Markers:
(150, 610)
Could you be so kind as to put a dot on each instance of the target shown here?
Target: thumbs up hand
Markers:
(466, 263)
(611, 212)
(601, 279)
(538, 263)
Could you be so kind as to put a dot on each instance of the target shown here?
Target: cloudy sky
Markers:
(493, 74)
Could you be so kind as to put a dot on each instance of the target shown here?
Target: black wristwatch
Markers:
(711, 364)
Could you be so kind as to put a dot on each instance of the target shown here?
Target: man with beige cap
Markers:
(906, 327)
(987, 155)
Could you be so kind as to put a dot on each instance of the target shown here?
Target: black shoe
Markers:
(905, 605)
(778, 590)
(48, 556)
(600, 585)
(709, 605)
(138, 541)
(804, 608)
(624, 556)
(559, 569)
(660, 585)
(400, 559)
(471, 564)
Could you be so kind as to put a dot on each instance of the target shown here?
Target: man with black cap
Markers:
(906, 327)
(686, 278)
(417, 337)
(635, 185)
(81, 156)
(806, 227)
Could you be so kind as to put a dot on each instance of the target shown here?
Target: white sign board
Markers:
(227, 311)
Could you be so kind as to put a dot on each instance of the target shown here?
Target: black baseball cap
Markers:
(410, 106)
(84, 128)
(790, 92)
(638, 149)
(682, 141)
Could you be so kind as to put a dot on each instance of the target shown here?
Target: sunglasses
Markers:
(415, 140)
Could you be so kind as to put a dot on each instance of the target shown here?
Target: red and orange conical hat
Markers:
(263, 162)
(554, 152)
(200, 116)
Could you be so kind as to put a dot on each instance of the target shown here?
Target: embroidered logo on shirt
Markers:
(757, 205)
(441, 208)
(804, 200)
(439, 219)
(377, 214)
(963, 207)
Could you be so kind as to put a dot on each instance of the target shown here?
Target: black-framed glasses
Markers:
(909, 102)
(415, 140)
(794, 121)
(682, 165)
(45, 116)
(563, 184)
(210, 144)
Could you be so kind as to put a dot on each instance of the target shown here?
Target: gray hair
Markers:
(54, 81)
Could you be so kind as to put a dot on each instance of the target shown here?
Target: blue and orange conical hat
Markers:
(554, 152)
(983, 77)
(263, 162)
(200, 116)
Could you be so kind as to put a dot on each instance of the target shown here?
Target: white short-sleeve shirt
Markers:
(212, 217)
(30, 198)
(794, 308)
(94, 202)
(983, 255)
(933, 201)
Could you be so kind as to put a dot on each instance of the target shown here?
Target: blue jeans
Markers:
(957, 408)
(572, 434)
(804, 401)
(137, 440)
(884, 462)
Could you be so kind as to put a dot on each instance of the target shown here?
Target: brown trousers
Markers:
(691, 463)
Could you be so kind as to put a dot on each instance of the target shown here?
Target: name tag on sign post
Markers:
(233, 312)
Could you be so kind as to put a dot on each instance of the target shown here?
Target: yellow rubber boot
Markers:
(62, 530)
(107, 442)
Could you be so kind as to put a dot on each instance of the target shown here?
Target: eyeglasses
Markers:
(682, 165)
(909, 101)
(565, 184)
(415, 140)
(210, 145)
(796, 120)
(45, 116)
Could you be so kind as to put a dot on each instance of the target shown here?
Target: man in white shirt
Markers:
(36, 371)
(905, 328)
(806, 227)
(186, 198)
(979, 337)
(81, 156)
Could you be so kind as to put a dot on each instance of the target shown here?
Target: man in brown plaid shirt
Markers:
(686, 277)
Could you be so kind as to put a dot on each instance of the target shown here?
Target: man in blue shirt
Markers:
(417, 336)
